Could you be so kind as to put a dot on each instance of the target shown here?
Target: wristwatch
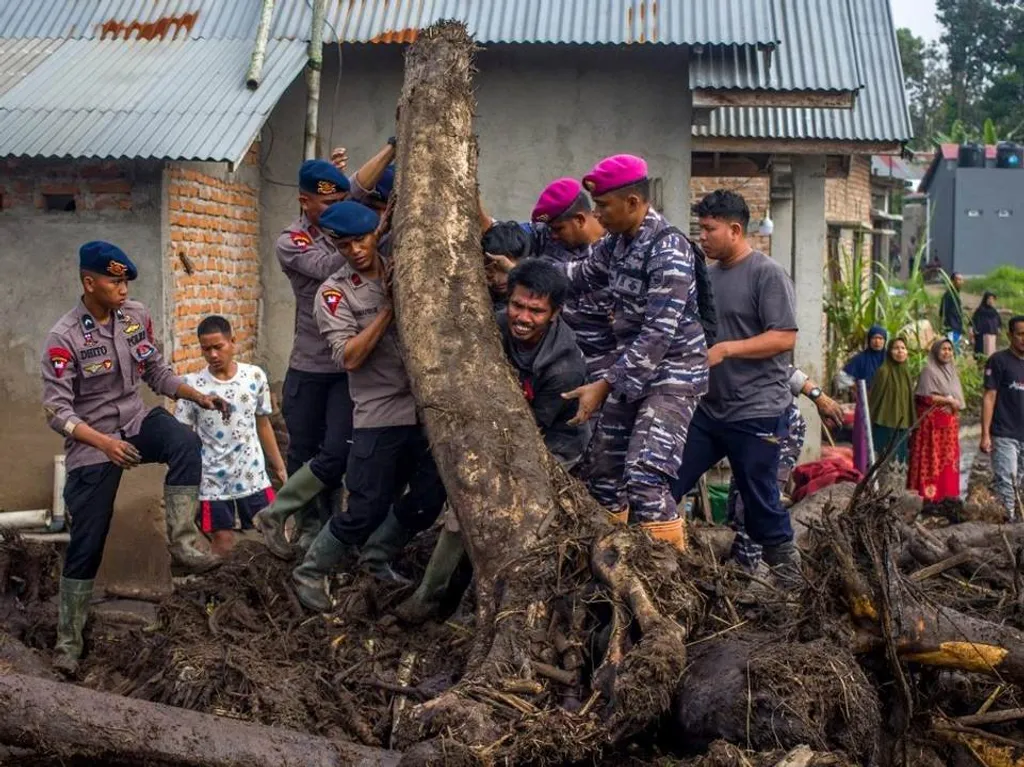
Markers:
(813, 394)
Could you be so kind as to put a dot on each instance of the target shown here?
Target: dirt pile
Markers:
(765, 672)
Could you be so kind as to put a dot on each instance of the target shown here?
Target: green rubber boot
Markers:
(383, 547)
(426, 601)
(72, 613)
(300, 489)
(180, 504)
(310, 577)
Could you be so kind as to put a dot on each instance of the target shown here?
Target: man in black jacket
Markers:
(543, 351)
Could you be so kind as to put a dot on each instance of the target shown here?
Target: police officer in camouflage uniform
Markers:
(95, 357)
(389, 447)
(649, 393)
(316, 405)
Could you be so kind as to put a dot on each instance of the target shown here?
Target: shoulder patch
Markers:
(59, 358)
(301, 239)
(332, 298)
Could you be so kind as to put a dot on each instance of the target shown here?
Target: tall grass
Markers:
(1007, 282)
(867, 296)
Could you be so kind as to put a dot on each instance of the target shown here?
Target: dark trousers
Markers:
(89, 491)
(382, 462)
(318, 413)
(753, 448)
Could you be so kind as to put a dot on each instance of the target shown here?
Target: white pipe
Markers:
(25, 520)
(47, 537)
(259, 53)
(59, 476)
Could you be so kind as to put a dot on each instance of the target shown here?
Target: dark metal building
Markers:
(975, 214)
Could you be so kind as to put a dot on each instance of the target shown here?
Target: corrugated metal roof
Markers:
(19, 57)
(735, 22)
(879, 114)
(177, 100)
(818, 53)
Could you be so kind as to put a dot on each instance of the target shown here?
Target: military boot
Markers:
(72, 613)
(180, 504)
(299, 491)
(383, 547)
(426, 601)
(672, 531)
(310, 578)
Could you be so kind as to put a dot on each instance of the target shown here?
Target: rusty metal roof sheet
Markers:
(182, 100)
(734, 22)
(818, 53)
(879, 113)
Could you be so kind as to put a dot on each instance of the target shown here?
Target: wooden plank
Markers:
(791, 146)
(705, 98)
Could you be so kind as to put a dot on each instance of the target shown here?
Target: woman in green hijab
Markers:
(891, 401)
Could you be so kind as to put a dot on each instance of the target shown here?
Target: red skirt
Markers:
(935, 453)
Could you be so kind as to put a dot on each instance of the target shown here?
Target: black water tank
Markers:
(971, 155)
(1009, 155)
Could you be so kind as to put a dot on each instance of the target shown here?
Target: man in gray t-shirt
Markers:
(742, 417)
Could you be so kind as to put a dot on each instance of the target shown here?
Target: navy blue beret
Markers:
(106, 259)
(321, 177)
(384, 186)
(348, 219)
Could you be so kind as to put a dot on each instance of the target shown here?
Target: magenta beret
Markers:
(615, 172)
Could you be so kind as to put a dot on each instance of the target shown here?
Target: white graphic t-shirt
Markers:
(233, 461)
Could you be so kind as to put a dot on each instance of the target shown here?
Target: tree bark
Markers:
(67, 721)
(483, 436)
(529, 528)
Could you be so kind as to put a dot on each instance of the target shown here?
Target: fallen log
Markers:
(65, 721)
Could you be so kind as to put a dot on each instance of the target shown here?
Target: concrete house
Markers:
(132, 122)
(974, 214)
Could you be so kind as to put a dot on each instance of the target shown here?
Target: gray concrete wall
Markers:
(994, 236)
(39, 264)
(543, 112)
(808, 239)
(942, 212)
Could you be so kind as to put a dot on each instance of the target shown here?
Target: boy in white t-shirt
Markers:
(235, 453)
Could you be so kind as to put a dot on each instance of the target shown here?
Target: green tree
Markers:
(975, 32)
(927, 83)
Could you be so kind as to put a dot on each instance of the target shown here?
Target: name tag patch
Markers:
(93, 352)
(627, 285)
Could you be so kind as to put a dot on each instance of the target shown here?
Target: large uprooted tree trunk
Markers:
(62, 721)
(527, 526)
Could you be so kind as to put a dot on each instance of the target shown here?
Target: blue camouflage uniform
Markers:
(660, 371)
(588, 314)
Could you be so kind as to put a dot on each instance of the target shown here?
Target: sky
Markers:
(918, 16)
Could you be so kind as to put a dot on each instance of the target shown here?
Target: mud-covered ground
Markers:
(764, 674)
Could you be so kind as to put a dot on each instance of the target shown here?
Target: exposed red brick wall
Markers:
(96, 185)
(754, 191)
(214, 224)
(849, 199)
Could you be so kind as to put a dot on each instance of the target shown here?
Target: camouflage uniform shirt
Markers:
(656, 326)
